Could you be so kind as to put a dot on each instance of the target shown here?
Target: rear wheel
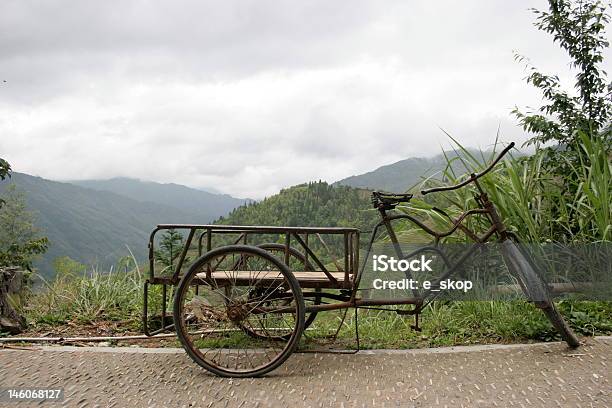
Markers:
(239, 286)
(520, 265)
(297, 262)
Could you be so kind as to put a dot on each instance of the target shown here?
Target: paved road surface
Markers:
(526, 376)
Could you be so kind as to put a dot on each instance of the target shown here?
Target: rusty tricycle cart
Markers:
(241, 307)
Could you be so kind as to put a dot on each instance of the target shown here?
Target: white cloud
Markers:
(247, 98)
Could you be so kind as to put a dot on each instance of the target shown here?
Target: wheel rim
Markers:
(245, 287)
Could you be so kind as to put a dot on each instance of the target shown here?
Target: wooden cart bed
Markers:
(307, 279)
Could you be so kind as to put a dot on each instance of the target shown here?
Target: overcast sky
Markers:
(247, 97)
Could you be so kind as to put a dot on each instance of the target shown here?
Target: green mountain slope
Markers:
(396, 177)
(311, 204)
(204, 205)
(93, 227)
(404, 174)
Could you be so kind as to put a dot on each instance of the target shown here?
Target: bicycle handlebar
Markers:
(473, 176)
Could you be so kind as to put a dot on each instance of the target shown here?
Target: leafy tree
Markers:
(5, 171)
(578, 27)
(170, 248)
(20, 240)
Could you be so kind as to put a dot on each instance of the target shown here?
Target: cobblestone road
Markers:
(530, 376)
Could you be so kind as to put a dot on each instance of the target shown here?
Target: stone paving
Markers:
(527, 376)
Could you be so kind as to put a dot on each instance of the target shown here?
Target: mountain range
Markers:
(203, 205)
(97, 225)
(408, 173)
(96, 221)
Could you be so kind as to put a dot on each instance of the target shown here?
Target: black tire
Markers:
(524, 270)
(212, 320)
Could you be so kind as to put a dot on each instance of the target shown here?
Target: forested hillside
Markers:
(93, 227)
(310, 204)
(203, 205)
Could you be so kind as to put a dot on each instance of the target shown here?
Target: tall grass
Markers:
(534, 203)
(593, 196)
(88, 296)
(461, 323)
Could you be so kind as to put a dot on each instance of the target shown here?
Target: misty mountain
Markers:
(96, 227)
(405, 174)
(206, 206)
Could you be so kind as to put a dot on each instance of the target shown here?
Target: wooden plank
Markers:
(301, 276)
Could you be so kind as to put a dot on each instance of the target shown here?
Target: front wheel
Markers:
(520, 266)
(230, 288)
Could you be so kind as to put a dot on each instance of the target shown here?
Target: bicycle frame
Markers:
(485, 207)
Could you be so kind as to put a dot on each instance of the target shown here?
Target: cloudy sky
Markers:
(247, 97)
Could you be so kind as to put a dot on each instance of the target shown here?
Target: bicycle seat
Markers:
(389, 201)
